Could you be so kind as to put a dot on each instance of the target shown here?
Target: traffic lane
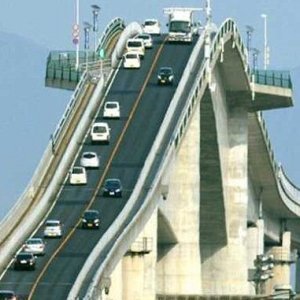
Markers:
(149, 115)
(153, 106)
(131, 80)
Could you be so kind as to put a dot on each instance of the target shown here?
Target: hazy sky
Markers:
(49, 24)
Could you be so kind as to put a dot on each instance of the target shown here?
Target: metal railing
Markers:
(273, 78)
(61, 64)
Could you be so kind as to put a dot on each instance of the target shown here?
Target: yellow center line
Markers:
(137, 101)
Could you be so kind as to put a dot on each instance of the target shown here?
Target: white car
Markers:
(131, 60)
(151, 26)
(136, 45)
(100, 132)
(111, 110)
(89, 160)
(146, 37)
(53, 228)
(35, 246)
(78, 176)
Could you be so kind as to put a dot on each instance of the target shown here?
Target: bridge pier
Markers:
(298, 275)
(282, 263)
(134, 277)
(179, 265)
(224, 258)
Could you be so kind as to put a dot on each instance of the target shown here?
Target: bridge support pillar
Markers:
(225, 264)
(282, 263)
(134, 278)
(179, 264)
(298, 275)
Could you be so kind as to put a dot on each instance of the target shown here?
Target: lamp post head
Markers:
(95, 8)
(249, 29)
(263, 16)
(87, 26)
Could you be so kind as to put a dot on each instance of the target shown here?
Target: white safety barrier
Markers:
(12, 224)
(131, 30)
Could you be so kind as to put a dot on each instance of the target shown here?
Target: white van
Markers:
(100, 132)
(137, 46)
(131, 60)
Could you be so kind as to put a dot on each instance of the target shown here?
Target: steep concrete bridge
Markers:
(203, 194)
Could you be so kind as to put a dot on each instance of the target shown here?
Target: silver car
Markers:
(35, 246)
(53, 228)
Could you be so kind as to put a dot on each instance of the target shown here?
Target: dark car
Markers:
(25, 261)
(112, 187)
(7, 295)
(165, 75)
(90, 219)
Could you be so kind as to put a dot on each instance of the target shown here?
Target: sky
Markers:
(48, 26)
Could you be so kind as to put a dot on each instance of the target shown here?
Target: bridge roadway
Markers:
(143, 106)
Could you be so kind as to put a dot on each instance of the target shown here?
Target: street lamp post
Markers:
(255, 53)
(266, 62)
(76, 33)
(87, 28)
(96, 10)
(249, 31)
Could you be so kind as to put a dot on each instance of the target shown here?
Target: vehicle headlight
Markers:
(118, 190)
(96, 221)
(159, 77)
(84, 220)
(171, 77)
(105, 189)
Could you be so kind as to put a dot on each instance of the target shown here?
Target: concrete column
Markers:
(139, 263)
(179, 265)
(298, 276)
(116, 288)
(261, 240)
(282, 262)
(252, 246)
(236, 200)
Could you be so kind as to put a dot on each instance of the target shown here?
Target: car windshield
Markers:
(34, 242)
(131, 56)
(22, 256)
(88, 155)
(52, 223)
(90, 214)
(111, 105)
(179, 26)
(144, 37)
(150, 23)
(134, 44)
(6, 295)
(165, 71)
(77, 170)
(112, 183)
(99, 129)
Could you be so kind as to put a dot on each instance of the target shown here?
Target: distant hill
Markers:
(29, 113)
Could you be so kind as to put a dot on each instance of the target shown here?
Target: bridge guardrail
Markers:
(227, 27)
(25, 202)
(273, 78)
(61, 64)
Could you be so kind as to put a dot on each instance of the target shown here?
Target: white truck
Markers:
(181, 26)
